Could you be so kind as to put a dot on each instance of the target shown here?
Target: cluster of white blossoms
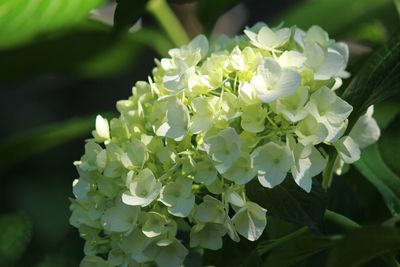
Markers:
(174, 165)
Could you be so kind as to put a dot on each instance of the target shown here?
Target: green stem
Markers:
(340, 220)
(168, 21)
(328, 172)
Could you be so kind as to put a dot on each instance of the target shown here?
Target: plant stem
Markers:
(340, 220)
(168, 21)
(328, 172)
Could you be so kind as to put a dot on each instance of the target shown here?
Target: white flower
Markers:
(272, 162)
(208, 121)
(178, 197)
(366, 131)
(207, 236)
(177, 120)
(180, 67)
(291, 59)
(120, 218)
(253, 118)
(247, 94)
(292, 107)
(102, 128)
(348, 149)
(330, 110)
(206, 113)
(241, 172)
(311, 132)
(166, 252)
(272, 82)
(211, 210)
(134, 245)
(223, 149)
(268, 39)
(308, 163)
(205, 172)
(250, 221)
(325, 57)
(143, 189)
(157, 224)
(136, 154)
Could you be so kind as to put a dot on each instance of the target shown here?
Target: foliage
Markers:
(14, 237)
(60, 39)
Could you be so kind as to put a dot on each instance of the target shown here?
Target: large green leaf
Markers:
(316, 12)
(389, 145)
(87, 50)
(22, 20)
(377, 80)
(293, 248)
(364, 244)
(381, 176)
(386, 111)
(22, 146)
(291, 203)
(127, 13)
(15, 235)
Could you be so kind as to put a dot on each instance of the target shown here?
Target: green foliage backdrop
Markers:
(61, 39)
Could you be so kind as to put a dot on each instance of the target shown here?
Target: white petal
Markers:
(333, 63)
(102, 127)
(200, 43)
(267, 38)
(366, 130)
(250, 221)
(348, 149)
(182, 207)
(273, 178)
(291, 59)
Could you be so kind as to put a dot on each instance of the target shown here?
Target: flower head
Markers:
(212, 118)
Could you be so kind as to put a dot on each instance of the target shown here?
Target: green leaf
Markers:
(389, 144)
(21, 20)
(24, 145)
(377, 80)
(209, 16)
(291, 251)
(127, 13)
(291, 203)
(381, 176)
(386, 111)
(397, 3)
(364, 244)
(87, 50)
(15, 235)
(311, 12)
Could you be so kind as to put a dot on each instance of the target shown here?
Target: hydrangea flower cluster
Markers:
(174, 165)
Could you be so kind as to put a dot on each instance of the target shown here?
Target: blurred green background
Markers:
(62, 62)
